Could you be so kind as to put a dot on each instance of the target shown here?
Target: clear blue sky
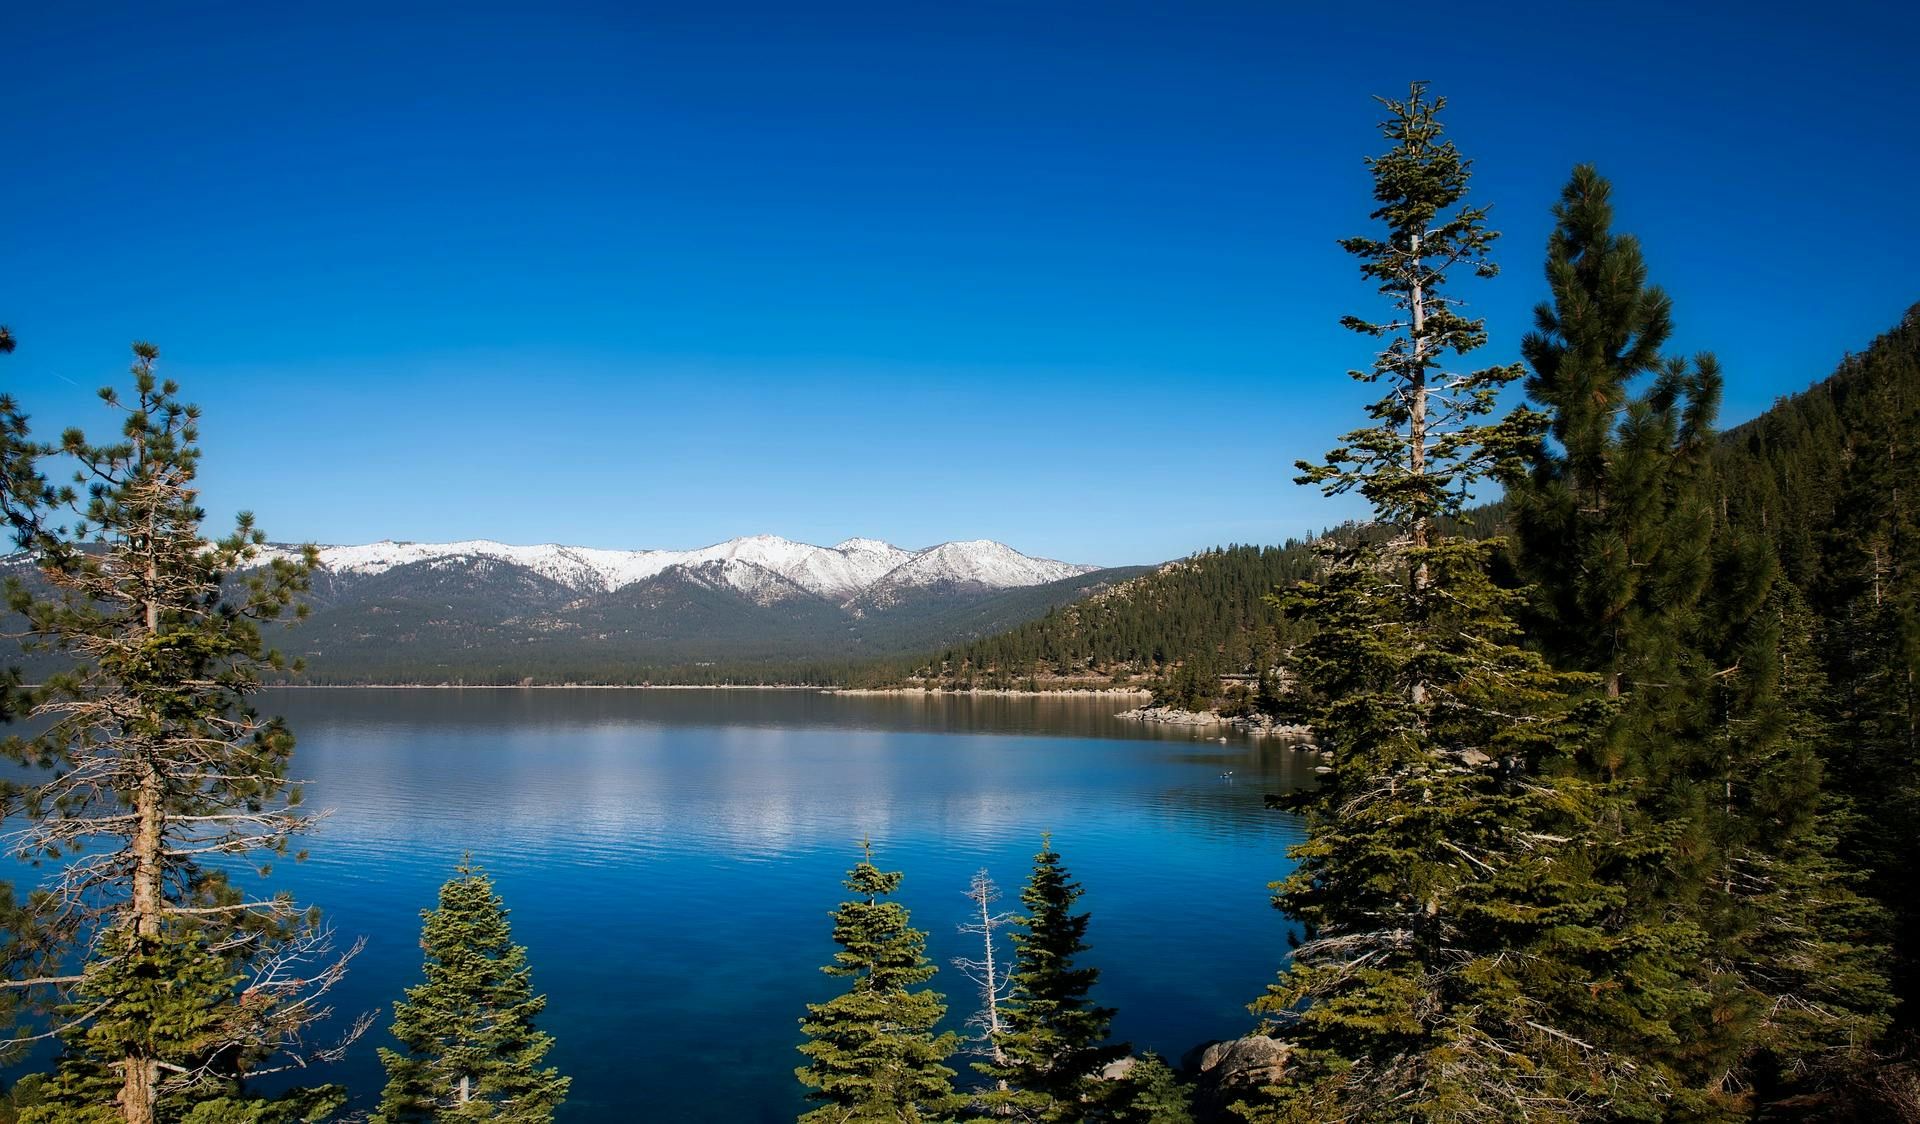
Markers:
(1061, 274)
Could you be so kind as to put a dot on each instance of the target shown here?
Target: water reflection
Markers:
(671, 857)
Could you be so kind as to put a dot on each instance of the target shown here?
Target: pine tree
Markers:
(1676, 602)
(166, 997)
(470, 1048)
(874, 1056)
(1055, 1041)
(1454, 921)
(23, 492)
(1613, 518)
(1151, 1093)
(155, 760)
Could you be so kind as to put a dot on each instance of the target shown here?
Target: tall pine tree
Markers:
(1453, 921)
(470, 1047)
(149, 759)
(1055, 1041)
(873, 1055)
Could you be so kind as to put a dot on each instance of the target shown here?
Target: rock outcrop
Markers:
(1223, 1072)
(1257, 724)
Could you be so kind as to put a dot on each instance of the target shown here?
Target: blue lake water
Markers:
(670, 859)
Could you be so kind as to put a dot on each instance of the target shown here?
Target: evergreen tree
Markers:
(471, 1051)
(1613, 518)
(1151, 1093)
(1675, 602)
(1454, 921)
(154, 760)
(873, 1055)
(1055, 1041)
(1869, 591)
(1797, 992)
(168, 998)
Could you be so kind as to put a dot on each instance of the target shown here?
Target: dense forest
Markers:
(1211, 609)
(1618, 820)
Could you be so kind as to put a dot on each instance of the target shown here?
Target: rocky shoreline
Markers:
(995, 692)
(1258, 725)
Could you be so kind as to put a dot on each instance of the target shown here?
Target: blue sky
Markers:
(1060, 274)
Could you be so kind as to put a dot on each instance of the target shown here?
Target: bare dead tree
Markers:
(991, 979)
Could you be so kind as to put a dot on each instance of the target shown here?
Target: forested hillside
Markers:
(1827, 477)
(1830, 479)
(1179, 628)
(1209, 610)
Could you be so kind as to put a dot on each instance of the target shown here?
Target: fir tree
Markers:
(1055, 1041)
(155, 760)
(873, 1054)
(470, 1048)
(1454, 922)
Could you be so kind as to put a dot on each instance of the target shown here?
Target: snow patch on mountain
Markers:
(749, 565)
(756, 583)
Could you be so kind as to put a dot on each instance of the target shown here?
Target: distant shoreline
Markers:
(544, 687)
(995, 692)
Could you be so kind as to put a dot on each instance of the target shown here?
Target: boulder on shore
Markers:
(1237, 1063)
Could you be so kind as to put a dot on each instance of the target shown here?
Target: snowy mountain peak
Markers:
(980, 562)
(876, 546)
(838, 573)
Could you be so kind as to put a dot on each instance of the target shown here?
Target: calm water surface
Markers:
(670, 858)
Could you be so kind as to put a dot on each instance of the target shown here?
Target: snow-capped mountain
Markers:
(764, 607)
(765, 568)
(981, 563)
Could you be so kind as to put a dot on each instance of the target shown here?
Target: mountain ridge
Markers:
(839, 574)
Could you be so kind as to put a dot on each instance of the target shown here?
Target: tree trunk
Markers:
(1417, 409)
(138, 1090)
(1417, 434)
(148, 888)
(140, 1075)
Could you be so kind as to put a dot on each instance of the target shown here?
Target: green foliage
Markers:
(1651, 574)
(873, 1054)
(1207, 614)
(1611, 516)
(1819, 689)
(1426, 445)
(148, 759)
(1151, 1093)
(169, 1000)
(1451, 884)
(1055, 1039)
(470, 1050)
